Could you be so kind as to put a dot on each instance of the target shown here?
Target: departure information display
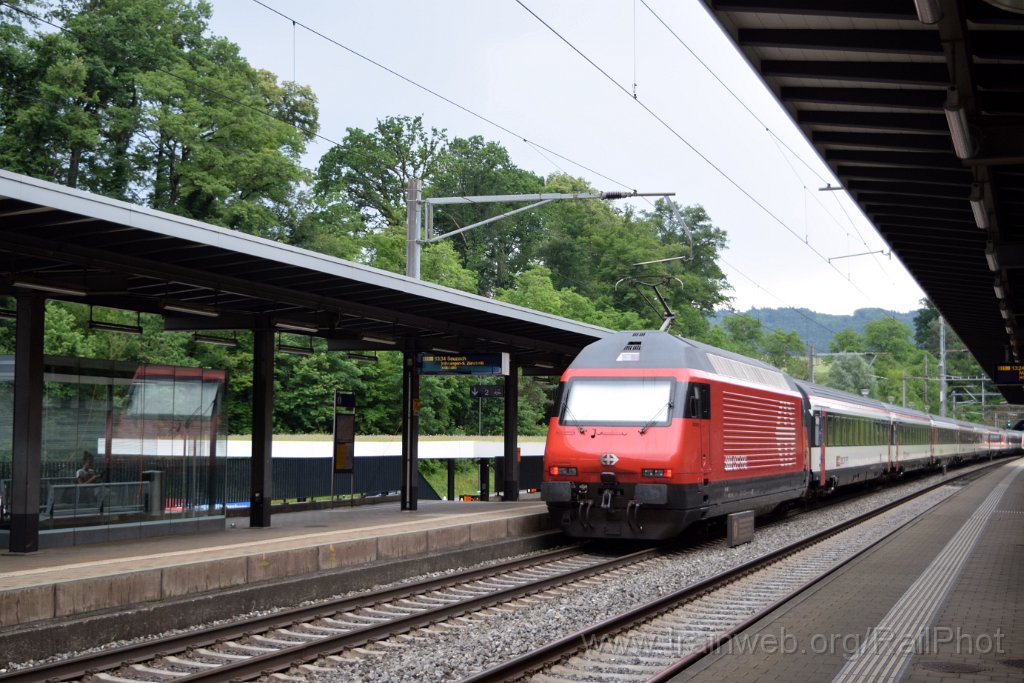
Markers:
(1009, 373)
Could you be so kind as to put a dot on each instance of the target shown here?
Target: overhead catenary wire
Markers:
(437, 94)
(295, 23)
(316, 134)
(746, 193)
(776, 139)
(778, 298)
(541, 148)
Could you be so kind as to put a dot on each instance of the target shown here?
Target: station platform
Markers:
(940, 600)
(321, 552)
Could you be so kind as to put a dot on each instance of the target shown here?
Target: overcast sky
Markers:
(751, 170)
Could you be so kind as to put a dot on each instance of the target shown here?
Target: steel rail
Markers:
(557, 650)
(81, 667)
(306, 652)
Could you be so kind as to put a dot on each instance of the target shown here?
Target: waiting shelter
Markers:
(62, 243)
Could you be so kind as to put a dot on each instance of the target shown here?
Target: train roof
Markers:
(652, 349)
(822, 391)
(812, 389)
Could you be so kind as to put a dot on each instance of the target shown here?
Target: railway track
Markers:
(284, 639)
(296, 639)
(661, 639)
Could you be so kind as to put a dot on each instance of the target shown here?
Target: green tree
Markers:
(231, 162)
(498, 251)
(329, 228)
(64, 335)
(688, 231)
(852, 374)
(847, 340)
(535, 290)
(77, 108)
(370, 171)
(304, 389)
(889, 336)
(133, 99)
(745, 334)
(785, 350)
(926, 327)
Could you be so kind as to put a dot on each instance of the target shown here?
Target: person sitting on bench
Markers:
(86, 474)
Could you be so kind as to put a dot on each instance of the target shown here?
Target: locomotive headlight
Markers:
(558, 471)
(655, 473)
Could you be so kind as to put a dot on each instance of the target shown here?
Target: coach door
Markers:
(698, 407)
(894, 445)
(821, 437)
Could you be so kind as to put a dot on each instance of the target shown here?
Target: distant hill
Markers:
(817, 328)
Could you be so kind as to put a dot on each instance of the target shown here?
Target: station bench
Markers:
(77, 500)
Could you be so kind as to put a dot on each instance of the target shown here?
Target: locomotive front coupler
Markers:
(583, 513)
(634, 508)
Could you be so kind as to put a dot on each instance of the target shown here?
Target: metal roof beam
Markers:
(867, 9)
(953, 217)
(1004, 45)
(1000, 145)
(895, 122)
(927, 100)
(884, 141)
(217, 281)
(960, 231)
(909, 73)
(1009, 256)
(956, 178)
(924, 160)
(876, 200)
(921, 43)
(877, 188)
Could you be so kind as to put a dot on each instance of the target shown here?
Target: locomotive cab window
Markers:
(698, 401)
(637, 401)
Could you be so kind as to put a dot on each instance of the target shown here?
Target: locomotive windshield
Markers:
(636, 401)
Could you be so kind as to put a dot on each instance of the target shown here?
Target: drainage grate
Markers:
(953, 667)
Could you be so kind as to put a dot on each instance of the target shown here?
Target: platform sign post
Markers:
(344, 460)
(480, 392)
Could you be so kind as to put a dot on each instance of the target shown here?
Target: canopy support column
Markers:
(511, 473)
(260, 468)
(410, 430)
(27, 437)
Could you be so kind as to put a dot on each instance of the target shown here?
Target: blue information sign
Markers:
(469, 364)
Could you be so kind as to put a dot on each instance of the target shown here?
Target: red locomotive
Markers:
(652, 432)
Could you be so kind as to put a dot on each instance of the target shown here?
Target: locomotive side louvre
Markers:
(758, 432)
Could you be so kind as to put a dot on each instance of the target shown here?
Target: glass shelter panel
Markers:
(122, 445)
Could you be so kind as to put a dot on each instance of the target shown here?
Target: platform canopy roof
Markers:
(918, 108)
(82, 247)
